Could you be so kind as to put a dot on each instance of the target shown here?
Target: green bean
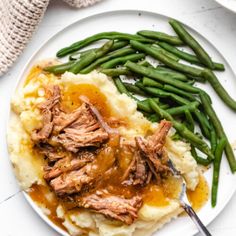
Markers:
(186, 37)
(198, 79)
(151, 83)
(183, 131)
(141, 105)
(219, 130)
(134, 89)
(181, 109)
(187, 56)
(92, 56)
(219, 89)
(140, 85)
(144, 106)
(116, 45)
(105, 48)
(177, 75)
(175, 90)
(163, 94)
(205, 119)
(216, 170)
(120, 86)
(173, 73)
(119, 44)
(121, 60)
(83, 53)
(191, 82)
(86, 60)
(167, 69)
(189, 120)
(213, 139)
(115, 72)
(164, 106)
(207, 95)
(166, 60)
(219, 66)
(157, 100)
(199, 135)
(204, 126)
(59, 69)
(153, 118)
(165, 52)
(112, 55)
(78, 55)
(176, 137)
(144, 63)
(200, 160)
(105, 35)
(161, 37)
(152, 73)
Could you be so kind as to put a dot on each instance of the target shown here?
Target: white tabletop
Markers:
(217, 24)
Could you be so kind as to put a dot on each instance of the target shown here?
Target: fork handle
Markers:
(189, 210)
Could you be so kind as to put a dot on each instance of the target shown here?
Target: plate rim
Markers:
(227, 6)
(25, 70)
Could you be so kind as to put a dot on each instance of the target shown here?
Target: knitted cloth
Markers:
(18, 21)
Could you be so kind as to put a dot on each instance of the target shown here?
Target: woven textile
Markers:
(18, 21)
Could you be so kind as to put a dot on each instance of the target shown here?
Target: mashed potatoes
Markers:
(28, 164)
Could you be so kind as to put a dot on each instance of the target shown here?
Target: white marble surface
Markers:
(209, 18)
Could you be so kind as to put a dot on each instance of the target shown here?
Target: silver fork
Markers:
(184, 202)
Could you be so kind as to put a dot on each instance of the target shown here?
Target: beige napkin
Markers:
(18, 21)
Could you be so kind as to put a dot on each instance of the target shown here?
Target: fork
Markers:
(185, 204)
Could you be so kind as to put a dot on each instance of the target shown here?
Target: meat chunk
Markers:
(157, 140)
(54, 94)
(46, 110)
(137, 171)
(73, 140)
(73, 181)
(62, 120)
(81, 128)
(115, 207)
(154, 152)
(150, 158)
(68, 163)
(45, 131)
(50, 152)
(83, 132)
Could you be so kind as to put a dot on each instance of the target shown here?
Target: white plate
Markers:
(131, 21)
(229, 4)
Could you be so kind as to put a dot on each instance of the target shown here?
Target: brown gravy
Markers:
(38, 195)
(71, 98)
(200, 195)
(153, 195)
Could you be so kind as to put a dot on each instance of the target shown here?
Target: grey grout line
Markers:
(207, 10)
(10, 197)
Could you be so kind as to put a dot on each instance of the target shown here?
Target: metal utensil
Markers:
(183, 198)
